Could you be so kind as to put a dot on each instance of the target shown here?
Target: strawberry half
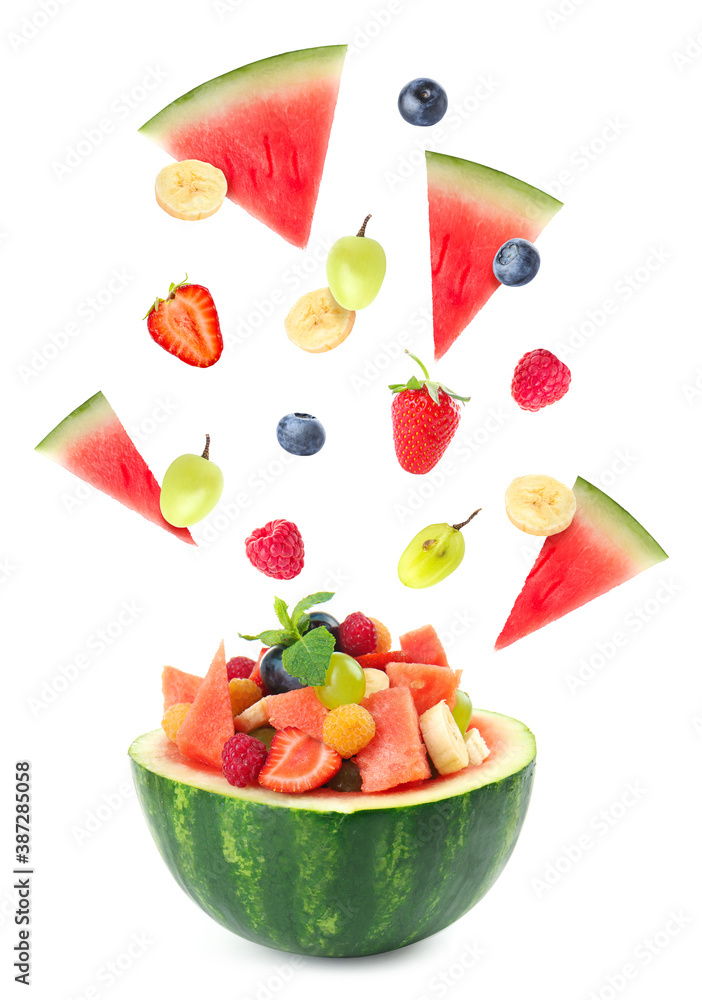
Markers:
(298, 763)
(425, 417)
(379, 661)
(186, 324)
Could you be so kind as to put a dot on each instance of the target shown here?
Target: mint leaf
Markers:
(308, 658)
(302, 624)
(281, 610)
(272, 637)
(309, 602)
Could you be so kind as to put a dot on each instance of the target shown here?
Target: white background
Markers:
(597, 92)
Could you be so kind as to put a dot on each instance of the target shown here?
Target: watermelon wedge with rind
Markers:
(92, 443)
(266, 126)
(603, 547)
(473, 210)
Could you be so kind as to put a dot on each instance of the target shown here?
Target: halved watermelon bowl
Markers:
(338, 874)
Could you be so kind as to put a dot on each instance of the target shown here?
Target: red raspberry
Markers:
(240, 666)
(242, 759)
(539, 380)
(357, 635)
(276, 550)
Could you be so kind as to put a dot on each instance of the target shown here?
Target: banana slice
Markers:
(477, 748)
(443, 739)
(317, 322)
(254, 717)
(376, 680)
(190, 189)
(539, 505)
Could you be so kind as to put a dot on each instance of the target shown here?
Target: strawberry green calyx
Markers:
(172, 289)
(431, 386)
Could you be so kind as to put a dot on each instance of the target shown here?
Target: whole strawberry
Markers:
(425, 417)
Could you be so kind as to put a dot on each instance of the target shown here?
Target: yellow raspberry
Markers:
(173, 719)
(243, 693)
(384, 643)
(348, 729)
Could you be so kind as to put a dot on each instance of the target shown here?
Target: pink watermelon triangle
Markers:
(473, 210)
(209, 723)
(178, 687)
(92, 444)
(603, 547)
(266, 126)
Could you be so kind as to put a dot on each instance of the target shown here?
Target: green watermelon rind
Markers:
(337, 875)
(628, 534)
(246, 83)
(506, 192)
(86, 418)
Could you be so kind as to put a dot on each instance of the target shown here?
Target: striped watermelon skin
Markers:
(331, 874)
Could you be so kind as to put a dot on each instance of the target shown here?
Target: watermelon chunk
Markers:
(473, 210)
(379, 661)
(424, 646)
(178, 687)
(396, 753)
(426, 682)
(603, 547)
(92, 444)
(266, 126)
(209, 723)
(300, 709)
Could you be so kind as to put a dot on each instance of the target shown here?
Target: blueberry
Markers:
(516, 262)
(274, 675)
(422, 102)
(320, 619)
(300, 434)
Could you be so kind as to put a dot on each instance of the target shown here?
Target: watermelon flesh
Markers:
(300, 709)
(266, 126)
(473, 210)
(209, 723)
(603, 547)
(427, 683)
(396, 753)
(178, 687)
(424, 646)
(92, 444)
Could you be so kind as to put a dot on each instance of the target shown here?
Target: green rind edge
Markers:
(208, 96)
(618, 524)
(500, 188)
(84, 417)
(334, 883)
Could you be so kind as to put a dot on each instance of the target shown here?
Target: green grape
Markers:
(463, 711)
(265, 734)
(432, 555)
(191, 488)
(355, 269)
(345, 682)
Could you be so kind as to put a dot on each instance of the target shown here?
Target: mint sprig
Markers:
(307, 653)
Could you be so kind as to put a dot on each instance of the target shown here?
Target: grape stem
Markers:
(457, 527)
(362, 230)
(206, 452)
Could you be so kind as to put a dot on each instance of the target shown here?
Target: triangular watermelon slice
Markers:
(92, 444)
(209, 723)
(178, 687)
(603, 547)
(266, 126)
(473, 210)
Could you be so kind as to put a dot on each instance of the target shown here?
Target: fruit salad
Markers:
(326, 703)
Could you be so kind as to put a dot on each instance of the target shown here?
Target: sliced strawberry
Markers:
(297, 763)
(255, 674)
(379, 661)
(186, 324)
